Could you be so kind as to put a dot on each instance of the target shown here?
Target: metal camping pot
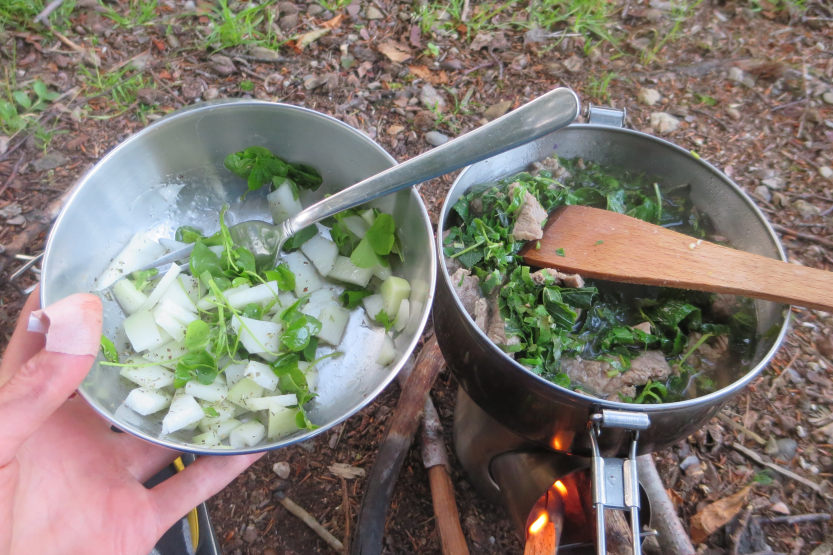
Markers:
(545, 413)
(171, 174)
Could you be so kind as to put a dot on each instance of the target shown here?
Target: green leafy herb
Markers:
(384, 320)
(188, 234)
(560, 252)
(196, 335)
(350, 299)
(197, 365)
(301, 237)
(260, 167)
(108, 349)
(211, 412)
(284, 276)
(143, 277)
(297, 336)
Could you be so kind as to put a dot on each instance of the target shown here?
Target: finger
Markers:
(34, 392)
(24, 344)
(143, 459)
(176, 496)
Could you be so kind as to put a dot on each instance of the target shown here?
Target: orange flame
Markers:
(562, 489)
(539, 523)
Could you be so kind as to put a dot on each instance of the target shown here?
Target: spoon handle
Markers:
(550, 112)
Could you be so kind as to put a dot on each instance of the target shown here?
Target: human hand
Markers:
(68, 484)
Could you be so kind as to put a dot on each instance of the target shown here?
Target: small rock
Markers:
(435, 138)
(172, 41)
(222, 65)
(281, 469)
(373, 12)
(354, 9)
(150, 97)
(787, 448)
(250, 534)
(780, 508)
(774, 183)
(805, 208)
(800, 432)
(431, 99)
(4, 144)
(573, 64)
(825, 347)
(314, 9)
(763, 192)
(733, 113)
(50, 161)
(189, 6)
(664, 123)
(496, 110)
(308, 446)
(139, 63)
(264, 53)
(288, 22)
(771, 446)
(826, 172)
(736, 74)
(653, 15)
(395, 130)
(17, 220)
(11, 211)
(211, 93)
(288, 8)
(827, 97)
(648, 97)
(312, 82)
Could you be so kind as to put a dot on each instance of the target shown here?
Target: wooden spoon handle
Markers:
(629, 250)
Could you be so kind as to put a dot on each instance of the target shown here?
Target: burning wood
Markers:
(545, 522)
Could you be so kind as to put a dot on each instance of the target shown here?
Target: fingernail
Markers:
(72, 325)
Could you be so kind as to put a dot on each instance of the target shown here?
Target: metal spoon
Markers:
(547, 113)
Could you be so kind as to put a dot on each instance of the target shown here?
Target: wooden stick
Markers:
(796, 519)
(805, 236)
(370, 528)
(748, 453)
(435, 459)
(672, 538)
(726, 420)
(348, 517)
(48, 10)
(545, 540)
(308, 519)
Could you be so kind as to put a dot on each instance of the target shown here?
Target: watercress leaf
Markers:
(143, 277)
(301, 237)
(350, 299)
(302, 421)
(257, 152)
(305, 176)
(182, 375)
(364, 256)
(253, 311)
(242, 280)
(40, 89)
(245, 260)
(616, 201)
(309, 351)
(211, 412)
(188, 234)
(462, 208)
(108, 349)
(196, 335)
(563, 315)
(237, 164)
(284, 276)
(562, 379)
(380, 235)
(203, 260)
(585, 196)
(297, 336)
(385, 320)
(23, 99)
(579, 298)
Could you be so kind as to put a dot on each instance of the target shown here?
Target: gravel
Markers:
(648, 97)
(435, 138)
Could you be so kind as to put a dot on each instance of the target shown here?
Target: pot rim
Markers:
(198, 110)
(715, 396)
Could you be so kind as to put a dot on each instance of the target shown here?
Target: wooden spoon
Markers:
(605, 245)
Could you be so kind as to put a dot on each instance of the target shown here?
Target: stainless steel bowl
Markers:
(172, 174)
(553, 416)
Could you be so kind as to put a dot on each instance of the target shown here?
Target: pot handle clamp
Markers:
(615, 481)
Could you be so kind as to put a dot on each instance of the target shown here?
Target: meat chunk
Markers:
(567, 280)
(707, 355)
(467, 287)
(476, 206)
(725, 306)
(530, 217)
(481, 314)
(592, 374)
(497, 327)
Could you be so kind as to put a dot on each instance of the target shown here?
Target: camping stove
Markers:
(539, 485)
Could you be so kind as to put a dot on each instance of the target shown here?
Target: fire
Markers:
(539, 523)
(562, 489)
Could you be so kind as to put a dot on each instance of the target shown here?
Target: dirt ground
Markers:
(744, 85)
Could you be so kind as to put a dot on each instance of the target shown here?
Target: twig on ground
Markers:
(251, 74)
(310, 521)
(499, 64)
(805, 236)
(741, 530)
(11, 150)
(464, 15)
(756, 458)
(13, 174)
(795, 519)
(782, 376)
(711, 117)
(787, 105)
(806, 95)
(741, 428)
(348, 517)
(277, 60)
(51, 7)
(480, 66)
(167, 88)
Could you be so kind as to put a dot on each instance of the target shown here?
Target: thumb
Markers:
(40, 385)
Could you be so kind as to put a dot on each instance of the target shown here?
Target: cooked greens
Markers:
(570, 332)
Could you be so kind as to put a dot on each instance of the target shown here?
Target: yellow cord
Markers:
(193, 521)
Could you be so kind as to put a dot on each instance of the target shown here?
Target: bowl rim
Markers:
(715, 396)
(197, 110)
